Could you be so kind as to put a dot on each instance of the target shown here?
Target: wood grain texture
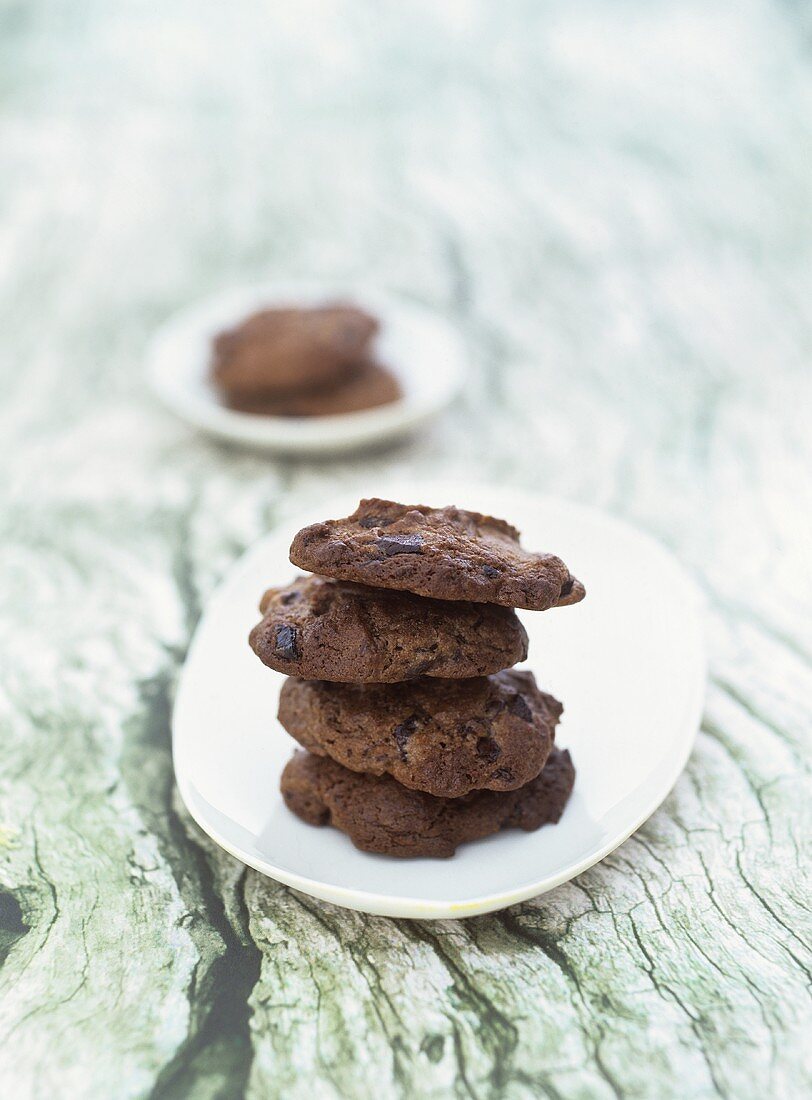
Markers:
(614, 205)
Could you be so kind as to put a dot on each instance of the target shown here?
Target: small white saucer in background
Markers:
(628, 663)
(420, 347)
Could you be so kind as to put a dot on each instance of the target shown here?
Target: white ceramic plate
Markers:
(418, 345)
(628, 663)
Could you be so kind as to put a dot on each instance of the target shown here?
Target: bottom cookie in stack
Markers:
(380, 815)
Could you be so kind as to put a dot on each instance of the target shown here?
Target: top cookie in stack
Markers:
(417, 738)
(443, 553)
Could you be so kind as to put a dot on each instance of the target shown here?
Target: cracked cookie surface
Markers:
(323, 629)
(444, 553)
(379, 815)
(444, 737)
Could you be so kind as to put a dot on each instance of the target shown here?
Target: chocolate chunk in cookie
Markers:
(291, 350)
(445, 737)
(443, 553)
(379, 815)
(368, 386)
(324, 629)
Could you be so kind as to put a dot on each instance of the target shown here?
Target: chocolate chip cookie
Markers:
(380, 815)
(324, 629)
(288, 350)
(444, 553)
(367, 387)
(445, 737)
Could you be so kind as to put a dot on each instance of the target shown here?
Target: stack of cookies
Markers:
(302, 361)
(419, 735)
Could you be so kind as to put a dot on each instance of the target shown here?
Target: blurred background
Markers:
(613, 203)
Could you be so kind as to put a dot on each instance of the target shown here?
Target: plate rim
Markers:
(407, 906)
